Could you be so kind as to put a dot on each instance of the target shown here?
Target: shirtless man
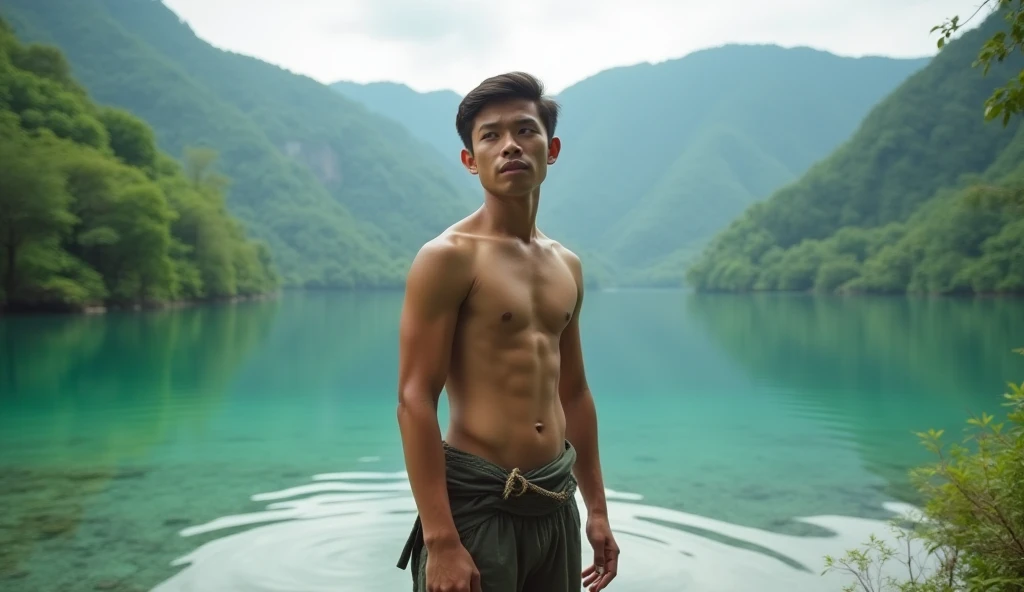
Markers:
(491, 313)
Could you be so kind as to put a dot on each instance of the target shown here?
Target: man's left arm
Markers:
(581, 431)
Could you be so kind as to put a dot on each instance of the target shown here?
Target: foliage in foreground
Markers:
(972, 527)
(91, 212)
(1007, 100)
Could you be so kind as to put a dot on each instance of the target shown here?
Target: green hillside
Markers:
(429, 116)
(924, 197)
(92, 213)
(342, 196)
(658, 158)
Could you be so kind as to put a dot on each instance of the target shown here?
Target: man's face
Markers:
(511, 149)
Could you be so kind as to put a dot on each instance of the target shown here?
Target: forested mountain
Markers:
(91, 212)
(342, 195)
(925, 197)
(658, 157)
(429, 116)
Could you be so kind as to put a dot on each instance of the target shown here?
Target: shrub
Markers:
(971, 529)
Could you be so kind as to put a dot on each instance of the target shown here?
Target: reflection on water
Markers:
(344, 531)
(953, 349)
(84, 397)
(874, 369)
(101, 390)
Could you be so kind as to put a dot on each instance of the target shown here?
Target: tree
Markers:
(33, 205)
(92, 212)
(1007, 100)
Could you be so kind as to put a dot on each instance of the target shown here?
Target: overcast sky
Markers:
(453, 44)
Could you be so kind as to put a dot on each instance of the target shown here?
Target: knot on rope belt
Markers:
(517, 485)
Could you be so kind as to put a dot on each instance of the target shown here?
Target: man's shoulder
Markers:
(445, 257)
(447, 247)
(567, 255)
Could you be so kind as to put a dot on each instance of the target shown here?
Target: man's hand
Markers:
(606, 554)
(450, 568)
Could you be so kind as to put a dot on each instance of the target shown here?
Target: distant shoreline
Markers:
(23, 310)
(56, 310)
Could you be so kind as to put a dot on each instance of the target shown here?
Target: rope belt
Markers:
(517, 485)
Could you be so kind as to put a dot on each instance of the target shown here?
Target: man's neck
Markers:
(513, 216)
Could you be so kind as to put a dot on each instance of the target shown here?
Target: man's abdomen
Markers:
(508, 444)
(505, 407)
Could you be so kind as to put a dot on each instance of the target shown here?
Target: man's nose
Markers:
(511, 149)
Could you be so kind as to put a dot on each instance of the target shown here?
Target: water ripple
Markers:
(344, 531)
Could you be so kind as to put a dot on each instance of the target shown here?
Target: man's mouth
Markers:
(513, 165)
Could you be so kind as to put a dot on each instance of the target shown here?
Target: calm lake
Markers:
(254, 447)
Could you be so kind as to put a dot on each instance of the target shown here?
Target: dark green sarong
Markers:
(522, 529)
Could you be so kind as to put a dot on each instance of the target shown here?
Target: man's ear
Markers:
(469, 162)
(554, 148)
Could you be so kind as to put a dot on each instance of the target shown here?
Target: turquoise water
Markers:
(254, 446)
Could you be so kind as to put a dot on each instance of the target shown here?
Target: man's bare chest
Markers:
(513, 294)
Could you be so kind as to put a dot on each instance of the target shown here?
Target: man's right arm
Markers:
(438, 281)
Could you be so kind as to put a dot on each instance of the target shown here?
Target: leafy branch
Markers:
(1007, 100)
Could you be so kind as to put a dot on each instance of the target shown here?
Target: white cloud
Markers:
(432, 44)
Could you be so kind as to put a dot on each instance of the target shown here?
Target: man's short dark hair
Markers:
(500, 88)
